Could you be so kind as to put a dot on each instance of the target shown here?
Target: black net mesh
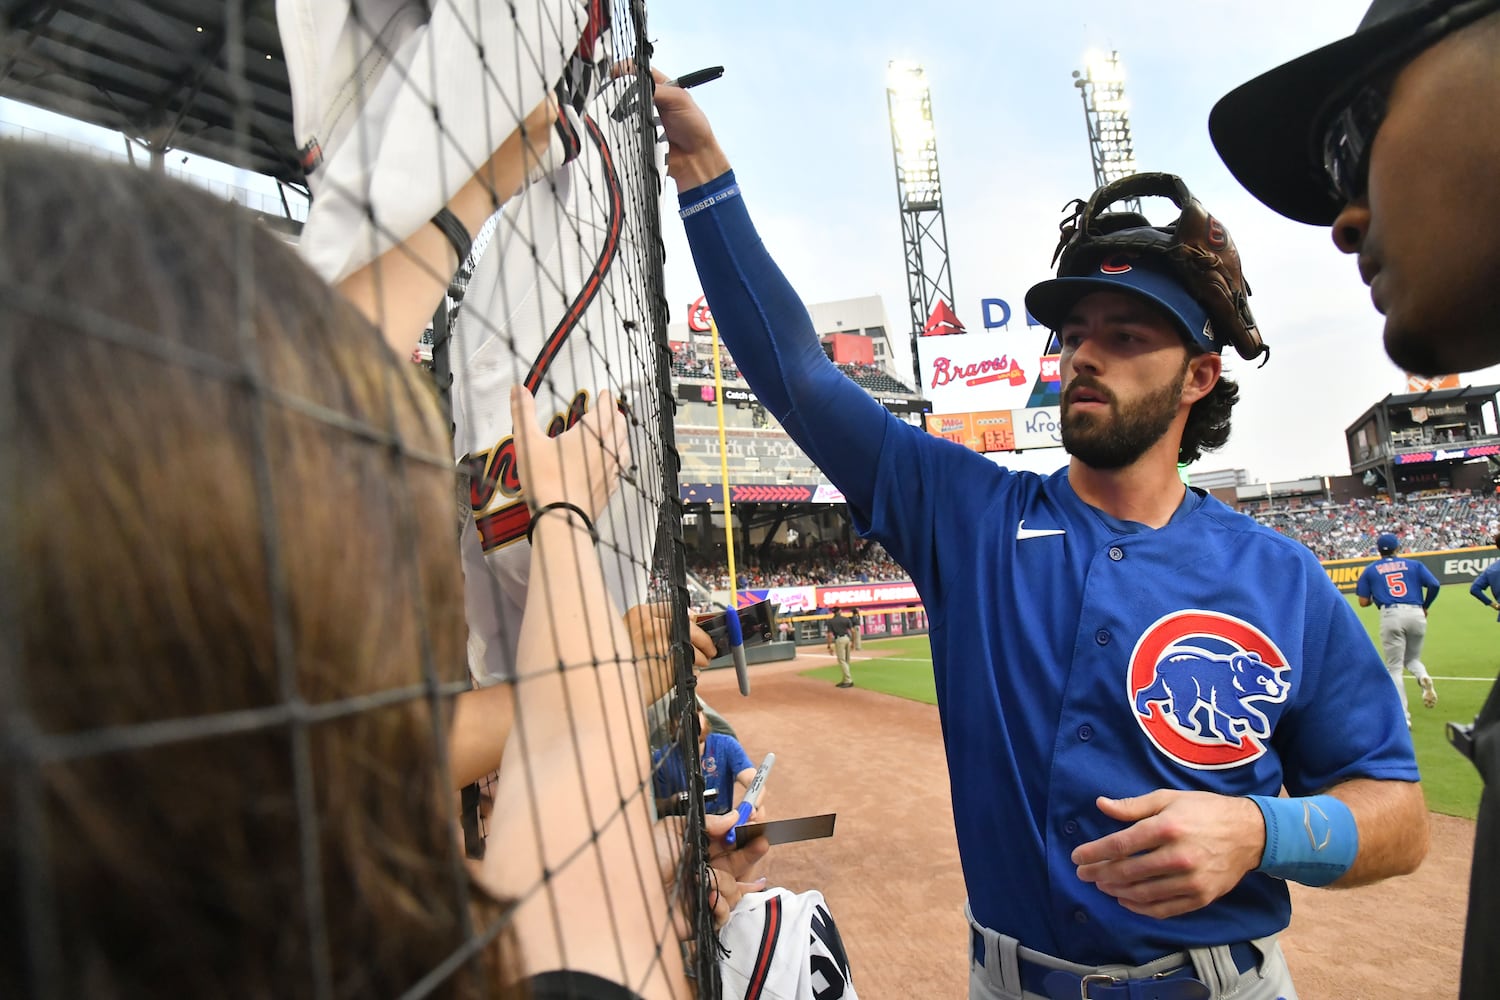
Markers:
(277, 720)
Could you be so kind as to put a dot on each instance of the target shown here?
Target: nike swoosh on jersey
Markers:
(1023, 532)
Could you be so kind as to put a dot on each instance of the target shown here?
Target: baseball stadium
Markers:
(454, 449)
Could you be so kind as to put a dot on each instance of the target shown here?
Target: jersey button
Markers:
(1085, 732)
(1102, 637)
(1079, 917)
(1070, 827)
(1116, 553)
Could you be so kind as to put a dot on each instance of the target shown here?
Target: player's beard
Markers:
(1115, 440)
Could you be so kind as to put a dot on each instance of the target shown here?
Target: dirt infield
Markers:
(891, 871)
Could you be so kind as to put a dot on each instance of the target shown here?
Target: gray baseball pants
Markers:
(1403, 627)
(998, 977)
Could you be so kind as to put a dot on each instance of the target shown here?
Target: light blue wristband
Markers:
(1310, 840)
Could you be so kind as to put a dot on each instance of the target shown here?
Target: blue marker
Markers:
(752, 796)
(736, 636)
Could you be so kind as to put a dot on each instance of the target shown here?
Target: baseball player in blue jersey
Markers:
(1403, 590)
(1487, 583)
(1128, 672)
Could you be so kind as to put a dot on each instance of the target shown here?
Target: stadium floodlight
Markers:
(919, 189)
(1106, 113)
(912, 133)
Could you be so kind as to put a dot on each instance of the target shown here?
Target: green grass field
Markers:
(1462, 653)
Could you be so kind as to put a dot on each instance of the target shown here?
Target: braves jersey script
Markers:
(550, 306)
(1397, 581)
(781, 945)
(1075, 655)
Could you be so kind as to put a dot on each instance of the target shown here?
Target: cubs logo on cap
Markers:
(1146, 276)
(1202, 685)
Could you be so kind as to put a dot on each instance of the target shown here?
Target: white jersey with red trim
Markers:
(782, 945)
(550, 306)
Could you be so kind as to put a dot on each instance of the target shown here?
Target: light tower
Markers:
(924, 232)
(1107, 115)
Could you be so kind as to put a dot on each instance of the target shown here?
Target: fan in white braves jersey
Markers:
(363, 87)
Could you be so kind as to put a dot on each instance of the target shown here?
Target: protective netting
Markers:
(277, 719)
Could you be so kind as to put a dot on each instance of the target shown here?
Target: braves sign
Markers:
(1201, 684)
(998, 370)
(700, 318)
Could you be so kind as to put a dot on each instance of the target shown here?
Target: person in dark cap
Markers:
(1391, 136)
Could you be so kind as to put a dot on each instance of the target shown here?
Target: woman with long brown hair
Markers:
(233, 635)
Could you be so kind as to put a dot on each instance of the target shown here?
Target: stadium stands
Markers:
(1424, 523)
(822, 566)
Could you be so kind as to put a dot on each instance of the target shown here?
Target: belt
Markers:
(1173, 984)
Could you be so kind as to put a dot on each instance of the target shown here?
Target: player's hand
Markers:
(693, 154)
(581, 465)
(1182, 851)
(650, 628)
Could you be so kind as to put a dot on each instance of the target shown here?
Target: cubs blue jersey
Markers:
(722, 759)
(1075, 655)
(1488, 579)
(1398, 581)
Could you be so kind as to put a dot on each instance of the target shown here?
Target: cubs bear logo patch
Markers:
(1200, 684)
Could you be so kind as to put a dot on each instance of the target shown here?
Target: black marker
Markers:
(696, 78)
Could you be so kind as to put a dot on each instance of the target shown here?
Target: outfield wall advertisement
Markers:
(1455, 566)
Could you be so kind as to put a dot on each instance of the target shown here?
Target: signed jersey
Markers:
(1075, 655)
(551, 305)
(781, 945)
(1397, 581)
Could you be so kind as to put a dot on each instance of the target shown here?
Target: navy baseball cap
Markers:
(1145, 275)
(1388, 542)
(1269, 131)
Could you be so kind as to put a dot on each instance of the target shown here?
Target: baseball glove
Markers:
(1196, 245)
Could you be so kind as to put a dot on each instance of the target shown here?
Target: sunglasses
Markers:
(1347, 141)
(1350, 130)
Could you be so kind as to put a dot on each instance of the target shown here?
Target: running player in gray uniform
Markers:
(1403, 590)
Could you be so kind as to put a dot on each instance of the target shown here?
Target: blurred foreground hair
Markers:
(226, 508)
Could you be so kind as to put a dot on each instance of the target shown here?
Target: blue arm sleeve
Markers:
(1362, 588)
(1478, 586)
(768, 330)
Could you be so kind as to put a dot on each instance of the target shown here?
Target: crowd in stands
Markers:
(1333, 531)
(687, 364)
(822, 565)
(1424, 524)
(873, 378)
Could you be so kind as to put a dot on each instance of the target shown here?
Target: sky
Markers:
(801, 111)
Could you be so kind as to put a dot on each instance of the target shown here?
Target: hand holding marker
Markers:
(752, 795)
(696, 77)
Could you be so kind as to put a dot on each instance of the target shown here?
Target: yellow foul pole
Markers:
(724, 468)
